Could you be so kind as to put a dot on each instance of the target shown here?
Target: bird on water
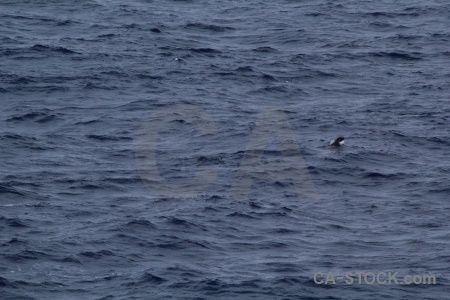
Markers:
(337, 142)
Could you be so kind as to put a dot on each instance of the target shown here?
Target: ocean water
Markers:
(179, 149)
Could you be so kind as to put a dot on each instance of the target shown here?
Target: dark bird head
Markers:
(338, 141)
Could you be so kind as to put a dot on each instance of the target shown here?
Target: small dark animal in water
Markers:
(337, 142)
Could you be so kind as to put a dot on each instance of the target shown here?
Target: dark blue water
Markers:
(109, 191)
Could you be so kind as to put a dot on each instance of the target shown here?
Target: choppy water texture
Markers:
(82, 83)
